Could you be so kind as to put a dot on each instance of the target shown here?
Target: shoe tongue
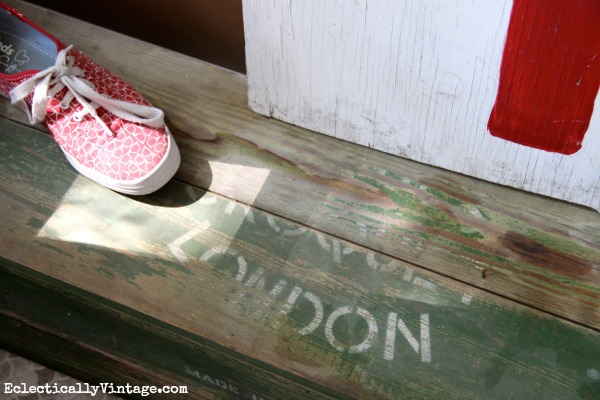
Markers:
(19, 56)
(24, 46)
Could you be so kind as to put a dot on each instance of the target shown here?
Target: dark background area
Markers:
(211, 30)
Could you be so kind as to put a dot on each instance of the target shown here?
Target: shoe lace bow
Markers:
(47, 83)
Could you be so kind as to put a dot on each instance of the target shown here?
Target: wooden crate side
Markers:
(420, 80)
(84, 363)
(142, 351)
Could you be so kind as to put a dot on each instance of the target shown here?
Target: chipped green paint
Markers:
(303, 162)
(114, 266)
(268, 294)
(35, 223)
(547, 237)
(483, 213)
(480, 253)
(57, 249)
(379, 224)
(109, 327)
(556, 243)
(448, 199)
(451, 200)
(413, 209)
(195, 300)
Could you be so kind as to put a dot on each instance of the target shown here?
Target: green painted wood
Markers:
(83, 363)
(195, 284)
(140, 350)
(530, 249)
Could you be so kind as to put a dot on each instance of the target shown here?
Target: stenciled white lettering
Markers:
(252, 278)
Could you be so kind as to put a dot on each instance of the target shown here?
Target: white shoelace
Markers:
(47, 83)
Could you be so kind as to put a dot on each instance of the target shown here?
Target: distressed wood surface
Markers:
(194, 287)
(22, 337)
(419, 79)
(527, 248)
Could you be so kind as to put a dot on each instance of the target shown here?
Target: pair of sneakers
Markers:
(105, 128)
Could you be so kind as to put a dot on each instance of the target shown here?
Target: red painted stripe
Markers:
(550, 74)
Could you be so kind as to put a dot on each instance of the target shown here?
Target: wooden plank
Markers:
(419, 79)
(186, 283)
(76, 360)
(141, 351)
(527, 248)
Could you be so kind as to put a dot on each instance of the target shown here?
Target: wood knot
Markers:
(486, 273)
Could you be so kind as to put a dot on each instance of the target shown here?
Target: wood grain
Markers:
(187, 284)
(78, 361)
(530, 249)
(418, 79)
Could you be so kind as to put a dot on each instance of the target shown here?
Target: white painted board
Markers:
(414, 78)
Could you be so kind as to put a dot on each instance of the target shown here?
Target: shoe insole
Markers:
(22, 47)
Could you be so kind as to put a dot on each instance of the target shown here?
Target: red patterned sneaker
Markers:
(106, 129)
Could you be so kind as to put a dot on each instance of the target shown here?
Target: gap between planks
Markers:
(387, 295)
(211, 105)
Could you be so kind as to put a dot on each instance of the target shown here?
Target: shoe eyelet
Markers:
(64, 106)
(77, 118)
